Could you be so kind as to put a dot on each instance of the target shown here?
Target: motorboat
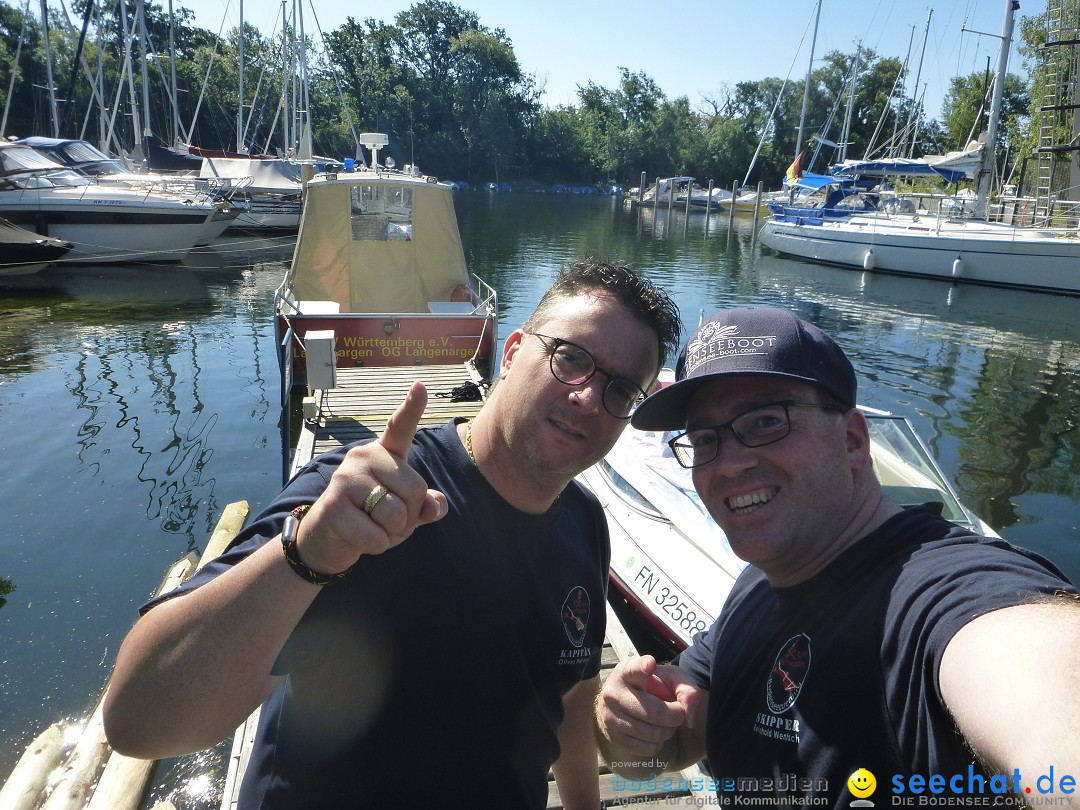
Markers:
(87, 159)
(104, 223)
(378, 276)
(23, 253)
(671, 562)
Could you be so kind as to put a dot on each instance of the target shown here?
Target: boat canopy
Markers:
(379, 244)
(272, 176)
(898, 167)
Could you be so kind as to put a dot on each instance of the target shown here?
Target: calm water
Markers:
(138, 402)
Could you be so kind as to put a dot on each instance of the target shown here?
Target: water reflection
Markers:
(138, 402)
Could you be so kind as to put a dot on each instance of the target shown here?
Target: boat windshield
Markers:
(628, 491)
(18, 159)
(62, 178)
(906, 469)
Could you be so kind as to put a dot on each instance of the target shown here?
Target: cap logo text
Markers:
(724, 341)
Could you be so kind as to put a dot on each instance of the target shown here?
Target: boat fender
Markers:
(869, 260)
(958, 267)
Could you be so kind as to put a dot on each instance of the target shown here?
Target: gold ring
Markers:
(378, 492)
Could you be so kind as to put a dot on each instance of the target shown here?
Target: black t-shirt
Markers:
(434, 672)
(810, 683)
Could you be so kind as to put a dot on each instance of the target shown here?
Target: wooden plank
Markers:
(359, 405)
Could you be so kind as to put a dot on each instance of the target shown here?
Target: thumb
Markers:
(637, 672)
(687, 693)
(435, 507)
(401, 426)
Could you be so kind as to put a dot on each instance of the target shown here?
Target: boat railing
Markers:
(487, 299)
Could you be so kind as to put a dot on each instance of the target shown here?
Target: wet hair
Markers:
(639, 296)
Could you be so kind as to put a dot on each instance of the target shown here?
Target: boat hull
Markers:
(968, 251)
(23, 253)
(104, 229)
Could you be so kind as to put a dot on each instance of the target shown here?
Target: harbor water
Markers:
(137, 402)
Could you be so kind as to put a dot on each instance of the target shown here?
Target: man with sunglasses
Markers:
(426, 606)
(864, 638)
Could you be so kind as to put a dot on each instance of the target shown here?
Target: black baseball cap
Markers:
(749, 340)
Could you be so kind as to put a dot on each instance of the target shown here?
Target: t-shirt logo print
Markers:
(788, 673)
(575, 615)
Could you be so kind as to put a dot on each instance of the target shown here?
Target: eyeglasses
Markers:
(572, 365)
(756, 427)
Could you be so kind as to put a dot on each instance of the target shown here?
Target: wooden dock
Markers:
(364, 398)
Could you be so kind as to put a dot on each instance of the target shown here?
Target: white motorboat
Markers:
(87, 159)
(104, 223)
(673, 564)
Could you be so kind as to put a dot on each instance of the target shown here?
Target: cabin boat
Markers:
(378, 277)
(105, 223)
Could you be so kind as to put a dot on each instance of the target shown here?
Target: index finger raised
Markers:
(401, 426)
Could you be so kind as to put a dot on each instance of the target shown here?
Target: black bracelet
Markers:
(288, 545)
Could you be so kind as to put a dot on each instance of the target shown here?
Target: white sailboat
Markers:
(942, 246)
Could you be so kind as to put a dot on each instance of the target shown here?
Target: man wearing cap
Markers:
(864, 638)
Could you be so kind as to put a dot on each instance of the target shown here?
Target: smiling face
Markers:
(788, 507)
(554, 430)
(862, 783)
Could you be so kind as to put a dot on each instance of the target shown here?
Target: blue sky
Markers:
(694, 48)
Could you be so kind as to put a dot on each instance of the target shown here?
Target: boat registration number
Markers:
(670, 601)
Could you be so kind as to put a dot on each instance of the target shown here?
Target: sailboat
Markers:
(270, 187)
(960, 249)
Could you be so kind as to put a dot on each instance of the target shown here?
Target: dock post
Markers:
(641, 189)
(708, 207)
(757, 209)
(731, 211)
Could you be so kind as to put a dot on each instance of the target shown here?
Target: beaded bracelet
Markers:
(288, 545)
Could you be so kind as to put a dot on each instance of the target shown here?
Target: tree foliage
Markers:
(454, 99)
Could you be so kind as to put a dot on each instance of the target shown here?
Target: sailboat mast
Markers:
(806, 87)
(986, 171)
(136, 121)
(48, 69)
(240, 102)
(143, 41)
(846, 133)
(912, 126)
(172, 75)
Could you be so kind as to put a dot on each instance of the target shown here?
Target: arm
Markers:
(575, 771)
(1010, 680)
(650, 718)
(206, 656)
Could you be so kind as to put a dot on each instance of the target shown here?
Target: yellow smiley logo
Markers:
(862, 783)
